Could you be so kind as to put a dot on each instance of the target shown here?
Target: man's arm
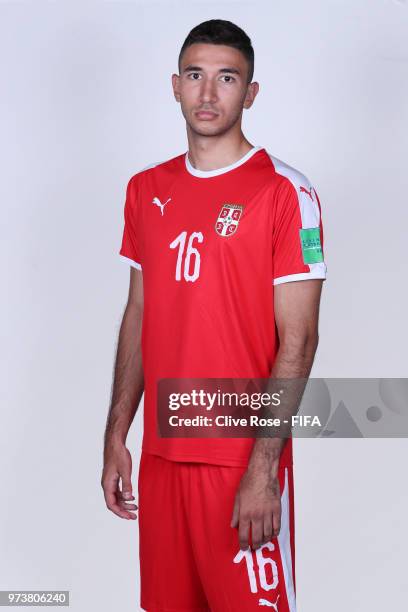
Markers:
(257, 503)
(127, 390)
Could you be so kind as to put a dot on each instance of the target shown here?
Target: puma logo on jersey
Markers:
(265, 602)
(158, 203)
(309, 193)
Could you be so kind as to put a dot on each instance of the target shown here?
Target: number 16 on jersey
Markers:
(188, 253)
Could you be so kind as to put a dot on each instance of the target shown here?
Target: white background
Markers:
(86, 102)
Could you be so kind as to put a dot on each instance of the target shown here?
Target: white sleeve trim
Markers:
(319, 271)
(131, 262)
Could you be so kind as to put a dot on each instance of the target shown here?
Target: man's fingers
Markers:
(276, 521)
(127, 506)
(122, 510)
(243, 532)
(235, 513)
(124, 496)
(113, 505)
(257, 532)
(123, 499)
(110, 487)
(126, 487)
(267, 529)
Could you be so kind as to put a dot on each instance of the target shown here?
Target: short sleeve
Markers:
(297, 232)
(130, 250)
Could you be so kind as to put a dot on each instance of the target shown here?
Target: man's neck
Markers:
(213, 153)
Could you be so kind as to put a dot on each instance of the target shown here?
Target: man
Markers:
(224, 244)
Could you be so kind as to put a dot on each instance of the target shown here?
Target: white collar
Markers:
(217, 171)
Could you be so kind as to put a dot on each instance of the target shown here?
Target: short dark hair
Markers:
(221, 32)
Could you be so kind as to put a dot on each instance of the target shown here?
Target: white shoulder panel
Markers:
(305, 192)
(309, 212)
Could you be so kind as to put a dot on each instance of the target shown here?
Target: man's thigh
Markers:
(189, 555)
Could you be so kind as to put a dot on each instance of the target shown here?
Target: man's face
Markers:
(212, 88)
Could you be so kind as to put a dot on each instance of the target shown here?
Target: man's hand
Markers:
(118, 465)
(257, 506)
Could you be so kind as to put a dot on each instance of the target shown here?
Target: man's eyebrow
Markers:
(223, 70)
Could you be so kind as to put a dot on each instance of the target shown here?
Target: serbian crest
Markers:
(228, 219)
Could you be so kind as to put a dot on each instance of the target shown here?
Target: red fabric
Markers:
(190, 557)
(212, 318)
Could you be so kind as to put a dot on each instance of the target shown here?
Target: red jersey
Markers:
(212, 245)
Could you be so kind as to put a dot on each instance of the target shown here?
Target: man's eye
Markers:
(227, 76)
(193, 74)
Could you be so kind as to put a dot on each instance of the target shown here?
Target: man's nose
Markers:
(208, 90)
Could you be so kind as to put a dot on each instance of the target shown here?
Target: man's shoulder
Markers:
(289, 173)
(168, 165)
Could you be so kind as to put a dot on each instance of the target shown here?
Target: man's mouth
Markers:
(206, 115)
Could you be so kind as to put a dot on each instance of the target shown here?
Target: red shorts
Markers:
(190, 559)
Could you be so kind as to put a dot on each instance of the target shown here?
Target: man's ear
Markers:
(175, 81)
(252, 91)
